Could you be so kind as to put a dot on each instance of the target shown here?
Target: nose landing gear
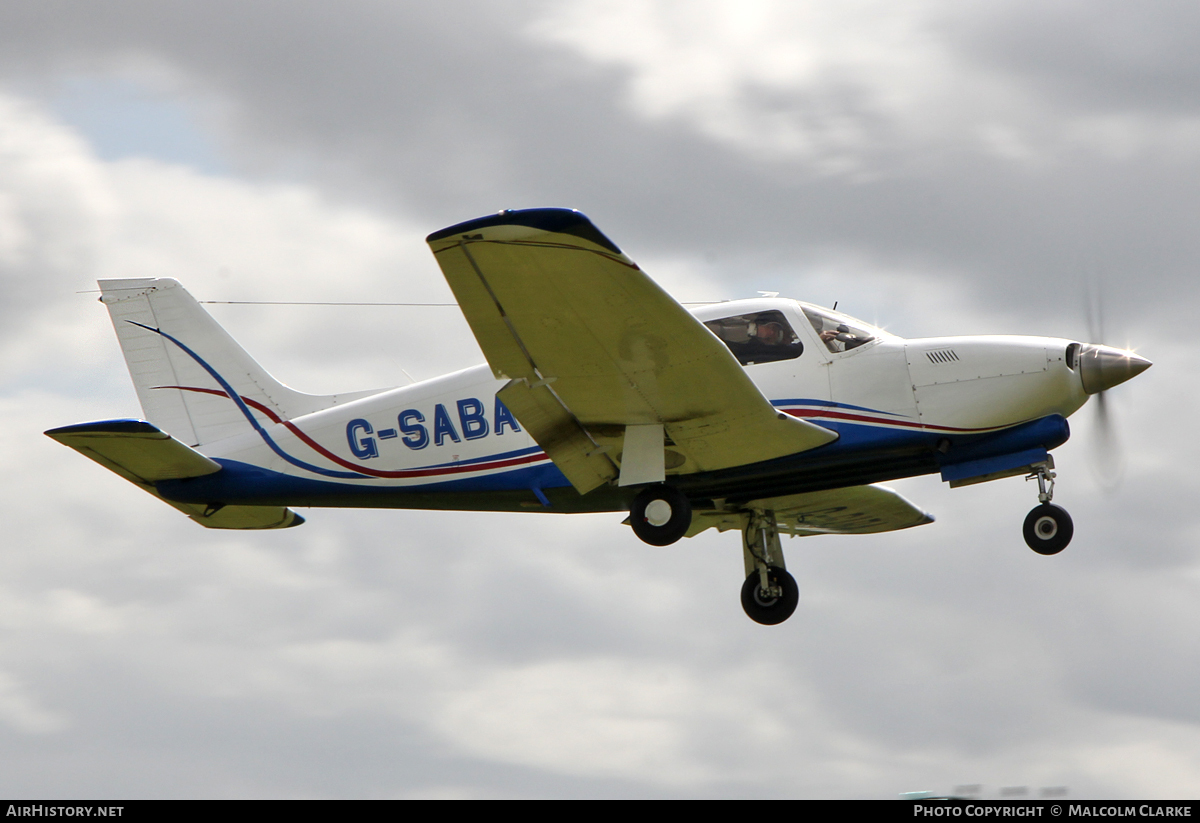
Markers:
(1048, 528)
(770, 594)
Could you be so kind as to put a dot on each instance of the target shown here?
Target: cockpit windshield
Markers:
(838, 331)
(761, 337)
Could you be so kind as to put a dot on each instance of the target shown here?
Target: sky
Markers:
(936, 167)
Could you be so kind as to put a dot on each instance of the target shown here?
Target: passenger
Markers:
(842, 339)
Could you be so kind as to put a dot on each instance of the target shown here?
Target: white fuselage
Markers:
(453, 429)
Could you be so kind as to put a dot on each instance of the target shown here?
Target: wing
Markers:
(853, 510)
(606, 369)
(143, 455)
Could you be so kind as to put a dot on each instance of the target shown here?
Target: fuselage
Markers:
(900, 407)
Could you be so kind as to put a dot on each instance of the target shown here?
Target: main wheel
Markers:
(765, 609)
(1048, 529)
(660, 514)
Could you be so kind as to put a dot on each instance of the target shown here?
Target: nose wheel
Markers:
(770, 594)
(774, 603)
(1048, 528)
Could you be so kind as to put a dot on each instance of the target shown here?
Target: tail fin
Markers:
(192, 379)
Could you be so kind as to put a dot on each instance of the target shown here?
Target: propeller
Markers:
(1107, 451)
(1102, 367)
(1108, 457)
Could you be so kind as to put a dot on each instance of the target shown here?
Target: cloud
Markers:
(861, 135)
(21, 711)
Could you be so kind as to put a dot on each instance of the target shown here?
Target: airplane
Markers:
(602, 393)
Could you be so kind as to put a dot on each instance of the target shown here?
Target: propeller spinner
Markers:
(1102, 367)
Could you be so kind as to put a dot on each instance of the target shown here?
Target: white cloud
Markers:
(67, 219)
(584, 717)
(786, 79)
(23, 712)
(859, 89)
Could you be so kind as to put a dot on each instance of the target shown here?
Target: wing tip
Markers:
(554, 220)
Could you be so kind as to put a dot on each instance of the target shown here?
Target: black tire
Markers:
(661, 526)
(770, 611)
(1048, 529)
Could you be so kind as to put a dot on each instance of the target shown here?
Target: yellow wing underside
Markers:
(852, 510)
(591, 345)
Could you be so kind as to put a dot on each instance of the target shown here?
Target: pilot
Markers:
(757, 338)
(770, 334)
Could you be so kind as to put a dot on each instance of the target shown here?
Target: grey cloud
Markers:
(1098, 57)
(450, 112)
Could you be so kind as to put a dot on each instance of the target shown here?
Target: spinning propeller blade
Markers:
(1102, 367)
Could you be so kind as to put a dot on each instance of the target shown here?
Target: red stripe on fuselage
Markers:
(881, 421)
(324, 452)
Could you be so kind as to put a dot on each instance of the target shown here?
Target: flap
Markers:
(576, 454)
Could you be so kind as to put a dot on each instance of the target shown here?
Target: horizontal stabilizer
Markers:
(144, 454)
(136, 450)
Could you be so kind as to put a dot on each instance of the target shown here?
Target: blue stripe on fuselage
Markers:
(856, 435)
(243, 483)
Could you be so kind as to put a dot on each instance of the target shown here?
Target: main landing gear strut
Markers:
(661, 514)
(1048, 528)
(769, 594)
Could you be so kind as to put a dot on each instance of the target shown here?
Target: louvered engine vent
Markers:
(942, 356)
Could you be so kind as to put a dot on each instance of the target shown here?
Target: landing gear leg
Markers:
(769, 594)
(1048, 528)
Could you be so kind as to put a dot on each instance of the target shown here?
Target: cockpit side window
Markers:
(761, 337)
(838, 331)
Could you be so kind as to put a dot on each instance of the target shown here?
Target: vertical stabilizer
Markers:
(192, 379)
